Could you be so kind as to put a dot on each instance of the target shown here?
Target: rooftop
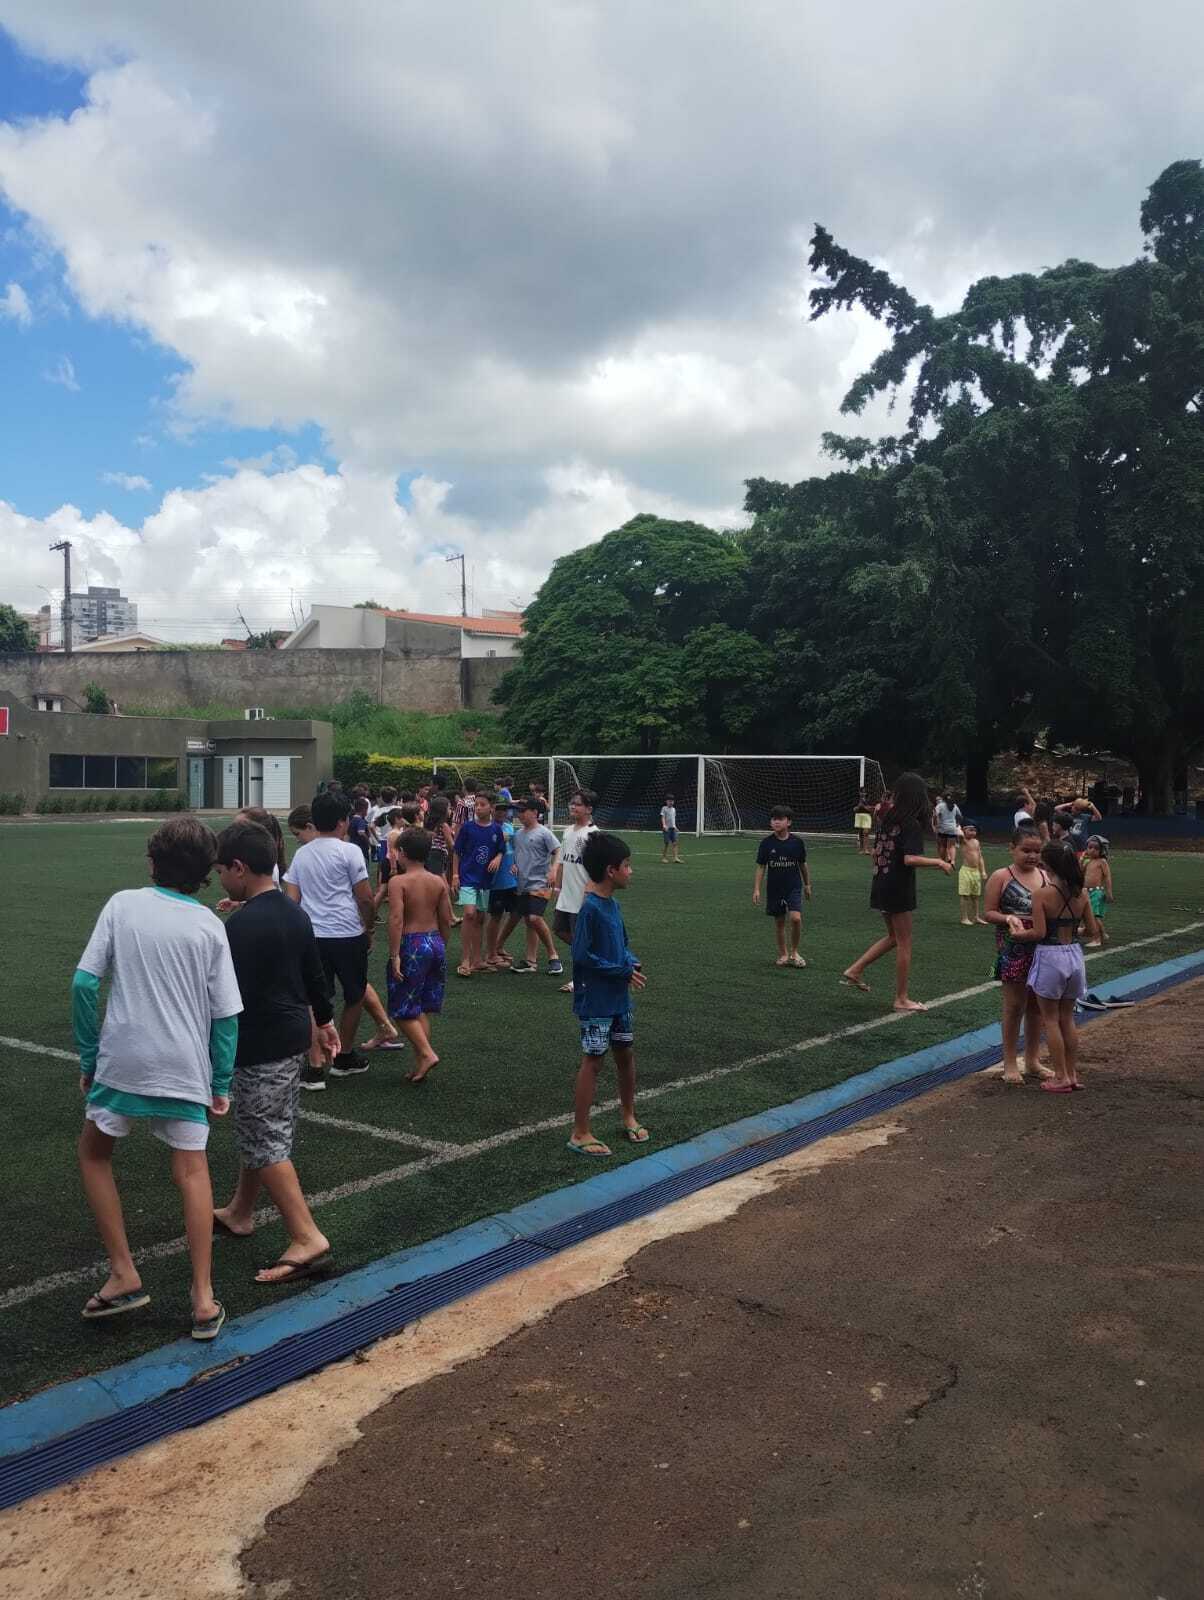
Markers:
(510, 627)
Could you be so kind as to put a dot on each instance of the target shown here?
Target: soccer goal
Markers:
(713, 794)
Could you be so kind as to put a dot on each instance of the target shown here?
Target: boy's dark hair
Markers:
(602, 850)
(406, 796)
(527, 803)
(505, 783)
(781, 811)
(440, 807)
(394, 816)
(250, 843)
(587, 797)
(668, 797)
(484, 794)
(329, 809)
(1064, 864)
(300, 817)
(415, 844)
(909, 803)
(387, 796)
(1025, 831)
(471, 786)
(410, 814)
(182, 852)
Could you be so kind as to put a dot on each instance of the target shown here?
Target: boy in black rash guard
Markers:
(280, 976)
(782, 858)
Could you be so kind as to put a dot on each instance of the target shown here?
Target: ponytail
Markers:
(1064, 865)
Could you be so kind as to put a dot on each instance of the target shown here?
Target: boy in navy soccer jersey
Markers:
(782, 863)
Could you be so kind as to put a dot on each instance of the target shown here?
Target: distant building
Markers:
(113, 643)
(364, 628)
(94, 615)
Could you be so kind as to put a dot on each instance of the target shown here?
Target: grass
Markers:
(509, 1048)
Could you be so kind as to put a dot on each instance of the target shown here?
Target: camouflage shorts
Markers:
(265, 1109)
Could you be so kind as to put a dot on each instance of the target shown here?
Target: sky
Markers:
(297, 300)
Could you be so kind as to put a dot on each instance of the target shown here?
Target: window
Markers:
(48, 702)
(131, 772)
(162, 772)
(66, 772)
(114, 772)
(100, 772)
(491, 652)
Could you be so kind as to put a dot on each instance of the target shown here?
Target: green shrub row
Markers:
(75, 804)
(11, 805)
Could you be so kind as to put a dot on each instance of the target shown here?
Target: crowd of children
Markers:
(246, 1012)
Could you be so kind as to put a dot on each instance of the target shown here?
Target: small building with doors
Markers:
(222, 764)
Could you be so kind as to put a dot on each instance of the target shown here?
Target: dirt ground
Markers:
(955, 1353)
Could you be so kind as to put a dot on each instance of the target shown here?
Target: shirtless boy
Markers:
(419, 927)
(971, 877)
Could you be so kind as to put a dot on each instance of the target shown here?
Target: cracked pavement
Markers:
(964, 1363)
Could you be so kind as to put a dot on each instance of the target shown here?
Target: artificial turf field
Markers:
(419, 1162)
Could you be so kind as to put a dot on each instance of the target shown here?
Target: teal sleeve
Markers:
(85, 1018)
(223, 1044)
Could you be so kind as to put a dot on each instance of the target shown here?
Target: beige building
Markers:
(364, 628)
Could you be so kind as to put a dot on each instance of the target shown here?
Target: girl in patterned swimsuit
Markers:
(1010, 894)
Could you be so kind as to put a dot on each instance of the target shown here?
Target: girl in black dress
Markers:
(898, 851)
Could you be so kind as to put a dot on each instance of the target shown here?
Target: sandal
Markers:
(636, 1135)
(209, 1327)
(296, 1269)
(853, 983)
(114, 1305)
(589, 1147)
(796, 960)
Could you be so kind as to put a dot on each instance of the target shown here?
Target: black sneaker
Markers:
(555, 968)
(523, 966)
(347, 1063)
(312, 1078)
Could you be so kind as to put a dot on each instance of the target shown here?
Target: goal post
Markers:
(713, 794)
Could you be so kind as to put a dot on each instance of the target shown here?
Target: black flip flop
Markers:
(314, 1267)
(116, 1305)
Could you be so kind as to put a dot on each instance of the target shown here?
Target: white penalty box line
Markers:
(444, 1155)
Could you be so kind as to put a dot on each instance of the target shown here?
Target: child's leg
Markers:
(1053, 1033)
(1015, 997)
(1070, 1037)
(380, 1017)
(305, 1238)
(472, 937)
(190, 1169)
(349, 1024)
(1032, 1037)
(900, 923)
(239, 1215)
(543, 935)
(876, 951)
(493, 929)
(796, 931)
(978, 916)
(583, 1097)
(624, 1055)
(779, 928)
(967, 905)
(100, 1187)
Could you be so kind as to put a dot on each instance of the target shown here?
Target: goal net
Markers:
(712, 794)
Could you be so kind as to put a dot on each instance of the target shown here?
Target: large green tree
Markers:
(1041, 538)
(15, 632)
(638, 641)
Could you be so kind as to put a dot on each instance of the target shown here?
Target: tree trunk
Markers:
(1155, 776)
(977, 785)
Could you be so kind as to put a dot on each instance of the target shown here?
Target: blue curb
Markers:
(79, 1425)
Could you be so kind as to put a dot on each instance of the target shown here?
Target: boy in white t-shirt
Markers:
(163, 1058)
(669, 829)
(572, 880)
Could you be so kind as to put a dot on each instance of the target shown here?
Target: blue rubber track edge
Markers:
(684, 1170)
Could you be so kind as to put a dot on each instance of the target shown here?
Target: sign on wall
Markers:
(3, 719)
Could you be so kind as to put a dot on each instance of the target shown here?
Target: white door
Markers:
(231, 782)
(277, 782)
(254, 780)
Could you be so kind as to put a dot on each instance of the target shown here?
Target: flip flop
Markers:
(797, 961)
(210, 1327)
(297, 1269)
(636, 1135)
(589, 1147)
(115, 1305)
(383, 1044)
(1058, 1088)
(853, 983)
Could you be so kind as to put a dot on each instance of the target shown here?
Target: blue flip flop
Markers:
(211, 1326)
(590, 1147)
(115, 1305)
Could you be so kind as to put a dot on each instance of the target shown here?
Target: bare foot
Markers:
(1012, 1076)
(966, 923)
(1036, 1070)
(423, 1067)
(782, 961)
(981, 922)
(909, 1005)
(225, 1219)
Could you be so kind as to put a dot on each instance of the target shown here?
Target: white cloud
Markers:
(483, 251)
(127, 480)
(14, 305)
(63, 373)
(276, 543)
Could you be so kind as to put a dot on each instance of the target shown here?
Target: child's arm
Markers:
(223, 1046)
(1030, 935)
(554, 869)
(806, 880)
(928, 861)
(455, 869)
(85, 1023)
(443, 915)
(757, 879)
(395, 889)
(588, 957)
(1108, 894)
(990, 902)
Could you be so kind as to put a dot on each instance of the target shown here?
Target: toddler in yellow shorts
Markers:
(971, 877)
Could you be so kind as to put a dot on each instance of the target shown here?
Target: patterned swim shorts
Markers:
(423, 961)
(265, 1109)
(599, 1034)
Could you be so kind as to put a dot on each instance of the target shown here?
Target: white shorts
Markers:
(181, 1133)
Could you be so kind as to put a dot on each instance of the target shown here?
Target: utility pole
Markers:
(65, 546)
(463, 584)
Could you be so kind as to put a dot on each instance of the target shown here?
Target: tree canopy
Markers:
(15, 632)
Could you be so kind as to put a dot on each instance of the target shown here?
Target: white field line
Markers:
(464, 1152)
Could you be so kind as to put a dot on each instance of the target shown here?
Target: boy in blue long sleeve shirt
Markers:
(604, 974)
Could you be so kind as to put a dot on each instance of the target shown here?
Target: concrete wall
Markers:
(480, 678)
(271, 678)
(37, 735)
(475, 646)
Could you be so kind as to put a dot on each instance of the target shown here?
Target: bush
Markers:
(96, 700)
(111, 803)
(49, 805)
(361, 766)
(11, 805)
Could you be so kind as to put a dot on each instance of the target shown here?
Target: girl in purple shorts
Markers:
(1009, 894)
(1057, 976)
